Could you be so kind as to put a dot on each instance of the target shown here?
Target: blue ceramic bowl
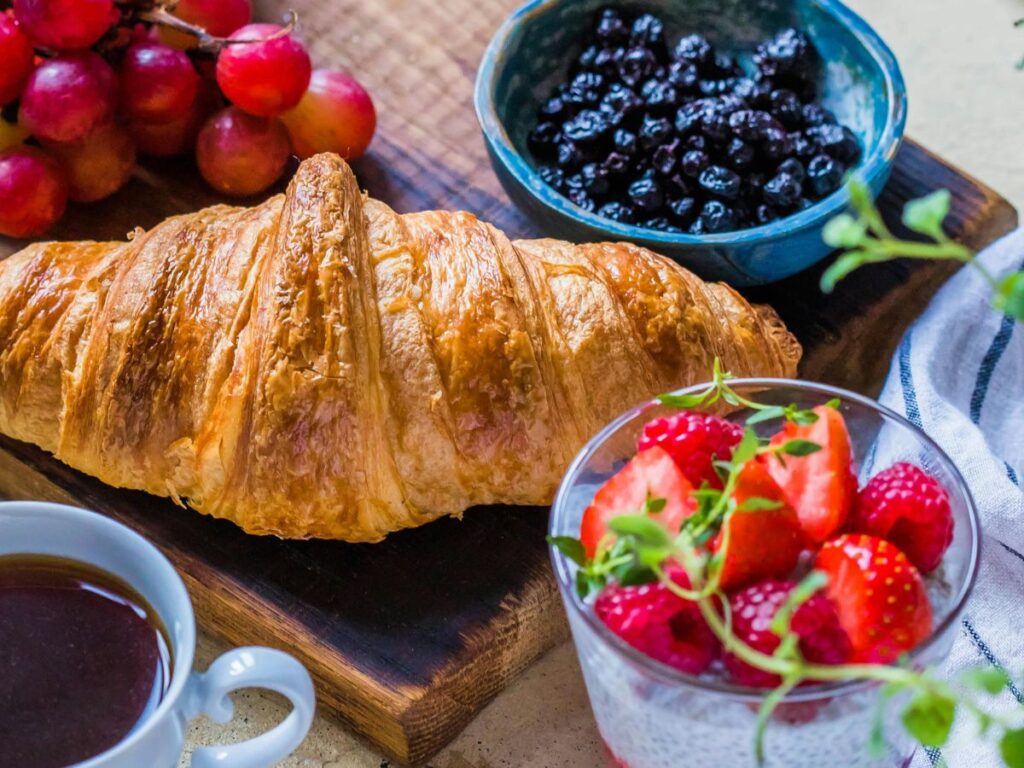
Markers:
(861, 84)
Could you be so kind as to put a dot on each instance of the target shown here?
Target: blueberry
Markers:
(715, 125)
(695, 142)
(824, 175)
(611, 29)
(552, 109)
(782, 191)
(607, 61)
(815, 114)
(569, 155)
(574, 182)
(653, 131)
(716, 87)
(616, 164)
(838, 141)
(595, 179)
(803, 147)
(789, 54)
(552, 176)
(576, 98)
(717, 217)
(743, 88)
(787, 108)
(659, 96)
(581, 199)
(752, 124)
(739, 154)
(649, 32)
(683, 75)
(688, 117)
(683, 209)
(793, 167)
(694, 49)
(697, 227)
(764, 214)
(694, 161)
(723, 66)
(720, 182)
(620, 99)
(677, 185)
(660, 223)
(665, 156)
(646, 195)
(625, 142)
(587, 57)
(776, 144)
(588, 126)
(543, 140)
(617, 212)
(636, 66)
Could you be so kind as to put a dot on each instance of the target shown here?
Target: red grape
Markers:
(158, 83)
(66, 97)
(65, 25)
(335, 115)
(33, 192)
(218, 17)
(266, 77)
(239, 154)
(178, 136)
(97, 165)
(17, 57)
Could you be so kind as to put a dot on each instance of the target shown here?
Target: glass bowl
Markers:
(653, 716)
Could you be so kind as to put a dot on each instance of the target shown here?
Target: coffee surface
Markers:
(83, 660)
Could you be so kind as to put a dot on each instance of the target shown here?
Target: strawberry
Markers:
(820, 486)
(650, 474)
(909, 507)
(659, 623)
(693, 439)
(822, 638)
(763, 543)
(882, 602)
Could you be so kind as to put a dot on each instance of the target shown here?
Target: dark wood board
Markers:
(409, 639)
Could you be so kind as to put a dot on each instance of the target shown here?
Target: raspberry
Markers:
(908, 507)
(692, 439)
(659, 624)
(822, 639)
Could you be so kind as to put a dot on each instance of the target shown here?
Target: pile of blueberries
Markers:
(682, 140)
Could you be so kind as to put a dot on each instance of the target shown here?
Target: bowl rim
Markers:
(673, 676)
(871, 167)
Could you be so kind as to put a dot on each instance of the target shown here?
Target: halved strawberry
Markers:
(763, 543)
(821, 486)
(650, 474)
(882, 602)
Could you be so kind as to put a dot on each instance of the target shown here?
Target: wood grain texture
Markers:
(408, 639)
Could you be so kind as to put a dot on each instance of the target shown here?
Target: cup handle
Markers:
(253, 668)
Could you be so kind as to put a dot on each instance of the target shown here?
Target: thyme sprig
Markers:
(865, 239)
(638, 549)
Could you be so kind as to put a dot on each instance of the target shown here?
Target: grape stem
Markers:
(162, 15)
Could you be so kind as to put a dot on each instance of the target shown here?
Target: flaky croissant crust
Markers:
(320, 366)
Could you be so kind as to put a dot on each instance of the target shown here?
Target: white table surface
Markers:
(966, 104)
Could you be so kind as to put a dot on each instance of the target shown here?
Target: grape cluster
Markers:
(680, 139)
(85, 85)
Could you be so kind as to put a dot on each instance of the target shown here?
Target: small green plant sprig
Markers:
(639, 550)
(865, 239)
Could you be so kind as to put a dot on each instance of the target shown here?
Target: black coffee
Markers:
(83, 660)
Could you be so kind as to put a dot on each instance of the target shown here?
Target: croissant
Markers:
(320, 366)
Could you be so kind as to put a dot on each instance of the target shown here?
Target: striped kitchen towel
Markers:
(959, 374)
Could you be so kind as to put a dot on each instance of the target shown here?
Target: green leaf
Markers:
(685, 401)
(834, 403)
(799, 448)
(989, 679)
(798, 416)
(860, 196)
(570, 547)
(800, 594)
(1009, 296)
(926, 214)
(767, 414)
(747, 448)
(653, 506)
(844, 231)
(1011, 747)
(645, 530)
(841, 267)
(758, 503)
(633, 575)
(583, 584)
(929, 718)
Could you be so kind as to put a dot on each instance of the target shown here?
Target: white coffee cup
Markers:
(157, 741)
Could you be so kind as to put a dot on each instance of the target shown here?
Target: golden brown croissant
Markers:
(320, 366)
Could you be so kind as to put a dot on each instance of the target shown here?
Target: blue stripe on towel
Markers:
(934, 755)
(1011, 473)
(907, 381)
(988, 365)
(991, 658)
(1012, 551)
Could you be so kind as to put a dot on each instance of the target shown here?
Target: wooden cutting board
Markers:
(409, 639)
